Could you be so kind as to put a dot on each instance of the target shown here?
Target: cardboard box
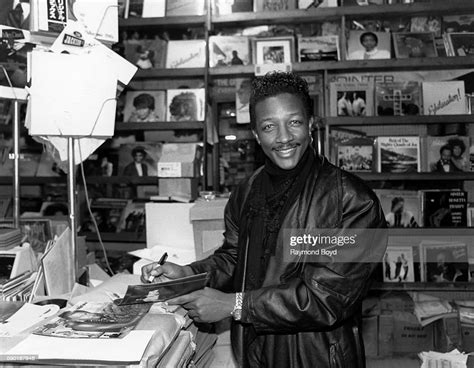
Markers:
(180, 160)
(467, 337)
(207, 218)
(447, 334)
(409, 336)
(396, 301)
(370, 331)
(180, 187)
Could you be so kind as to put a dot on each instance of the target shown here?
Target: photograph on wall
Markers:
(139, 159)
(398, 154)
(273, 50)
(144, 106)
(444, 261)
(356, 154)
(401, 207)
(398, 98)
(351, 99)
(228, 50)
(447, 154)
(242, 98)
(185, 104)
(413, 45)
(366, 45)
(461, 44)
(318, 48)
(186, 54)
(398, 265)
(146, 53)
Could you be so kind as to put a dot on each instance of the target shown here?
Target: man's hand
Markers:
(166, 272)
(206, 305)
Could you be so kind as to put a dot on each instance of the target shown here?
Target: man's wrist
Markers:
(237, 311)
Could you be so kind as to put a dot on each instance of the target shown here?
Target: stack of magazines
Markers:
(9, 238)
(18, 288)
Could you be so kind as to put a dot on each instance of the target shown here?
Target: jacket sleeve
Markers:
(320, 296)
(221, 264)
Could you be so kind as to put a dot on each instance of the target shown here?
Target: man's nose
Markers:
(284, 135)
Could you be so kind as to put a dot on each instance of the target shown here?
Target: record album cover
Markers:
(398, 154)
(398, 98)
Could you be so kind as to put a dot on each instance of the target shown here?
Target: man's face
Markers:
(457, 151)
(446, 156)
(138, 157)
(369, 42)
(282, 129)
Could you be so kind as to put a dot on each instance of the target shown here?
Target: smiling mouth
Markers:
(285, 149)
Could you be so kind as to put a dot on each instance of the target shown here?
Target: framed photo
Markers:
(351, 99)
(461, 44)
(318, 48)
(414, 44)
(143, 107)
(444, 261)
(366, 45)
(273, 50)
(185, 104)
(398, 265)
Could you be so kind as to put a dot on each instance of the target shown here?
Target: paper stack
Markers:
(9, 238)
(453, 359)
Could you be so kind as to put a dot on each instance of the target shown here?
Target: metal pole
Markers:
(71, 181)
(16, 163)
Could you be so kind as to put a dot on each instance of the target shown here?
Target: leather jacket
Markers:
(305, 314)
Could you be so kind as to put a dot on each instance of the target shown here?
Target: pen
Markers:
(161, 262)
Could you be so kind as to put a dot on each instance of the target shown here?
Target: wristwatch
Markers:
(237, 311)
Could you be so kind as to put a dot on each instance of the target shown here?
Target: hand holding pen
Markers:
(162, 271)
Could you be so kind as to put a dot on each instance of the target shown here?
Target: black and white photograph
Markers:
(414, 45)
(367, 45)
(273, 50)
(398, 265)
(445, 262)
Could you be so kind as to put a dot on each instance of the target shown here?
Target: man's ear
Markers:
(256, 136)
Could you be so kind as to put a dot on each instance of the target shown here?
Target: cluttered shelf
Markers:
(161, 125)
(427, 63)
(170, 73)
(423, 286)
(183, 21)
(325, 14)
(398, 120)
(415, 176)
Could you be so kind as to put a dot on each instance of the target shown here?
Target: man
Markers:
(399, 216)
(369, 41)
(137, 167)
(290, 314)
(445, 163)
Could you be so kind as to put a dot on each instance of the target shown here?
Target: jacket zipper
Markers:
(334, 360)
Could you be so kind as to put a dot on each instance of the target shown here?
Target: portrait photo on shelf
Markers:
(445, 154)
(414, 45)
(144, 106)
(460, 44)
(139, 159)
(317, 48)
(185, 104)
(228, 50)
(273, 50)
(398, 265)
(444, 261)
(146, 53)
(366, 45)
(351, 98)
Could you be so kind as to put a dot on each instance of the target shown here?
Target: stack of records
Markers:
(18, 288)
(9, 238)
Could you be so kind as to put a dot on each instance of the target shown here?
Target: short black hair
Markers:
(276, 83)
(457, 142)
(396, 201)
(138, 149)
(446, 147)
(369, 34)
(144, 100)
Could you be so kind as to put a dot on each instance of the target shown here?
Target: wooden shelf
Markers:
(169, 73)
(416, 176)
(162, 125)
(398, 120)
(430, 63)
(179, 22)
(143, 180)
(352, 12)
(33, 180)
(423, 286)
(122, 237)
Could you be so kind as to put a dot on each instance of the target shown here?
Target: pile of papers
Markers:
(429, 309)
(453, 359)
(18, 288)
(9, 238)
